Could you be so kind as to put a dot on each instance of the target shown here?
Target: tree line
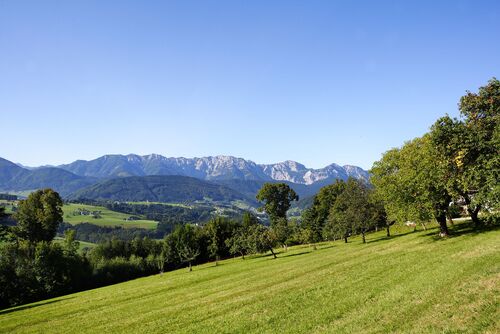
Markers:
(456, 162)
(34, 266)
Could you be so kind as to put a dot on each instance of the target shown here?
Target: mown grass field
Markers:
(108, 217)
(410, 283)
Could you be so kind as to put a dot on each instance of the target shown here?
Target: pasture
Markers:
(413, 282)
(73, 215)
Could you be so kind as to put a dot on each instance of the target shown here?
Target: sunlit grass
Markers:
(108, 217)
(413, 282)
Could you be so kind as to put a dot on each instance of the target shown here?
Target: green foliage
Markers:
(157, 188)
(315, 217)
(218, 230)
(186, 243)
(470, 147)
(351, 212)
(412, 183)
(277, 198)
(39, 216)
(459, 159)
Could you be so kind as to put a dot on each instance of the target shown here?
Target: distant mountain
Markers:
(239, 175)
(211, 168)
(16, 178)
(159, 188)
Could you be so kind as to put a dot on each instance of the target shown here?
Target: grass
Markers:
(412, 282)
(108, 217)
(163, 203)
(8, 205)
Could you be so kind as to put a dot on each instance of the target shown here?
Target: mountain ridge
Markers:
(211, 168)
(241, 175)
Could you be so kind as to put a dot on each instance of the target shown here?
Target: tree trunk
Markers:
(474, 213)
(443, 228)
(345, 239)
(243, 256)
(423, 225)
(450, 220)
(190, 268)
(271, 249)
(388, 231)
(473, 210)
(363, 236)
(314, 247)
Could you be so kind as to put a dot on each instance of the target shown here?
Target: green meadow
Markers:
(107, 217)
(413, 282)
(7, 205)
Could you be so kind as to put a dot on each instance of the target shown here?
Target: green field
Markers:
(163, 203)
(108, 217)
(8, 205)
(410, 283)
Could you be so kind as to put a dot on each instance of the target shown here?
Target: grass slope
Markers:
(411, 283)
(108, 217)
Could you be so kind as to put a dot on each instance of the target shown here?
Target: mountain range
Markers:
(243, 176)
(210, 168)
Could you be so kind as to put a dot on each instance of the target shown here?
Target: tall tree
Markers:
(277, 198)
(481, 153)
(218, 230)
(38, 216)
(315, 217)
(411, 181)
(351, 211)
(186, 244)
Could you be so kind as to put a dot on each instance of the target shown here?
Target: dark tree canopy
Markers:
(39, 215)
(277, 198)
(314, 217)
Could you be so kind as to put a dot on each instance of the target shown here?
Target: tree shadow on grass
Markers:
(386, 238)
(458, 230)
(283, 255)
(36, 304)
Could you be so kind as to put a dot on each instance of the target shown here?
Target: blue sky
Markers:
(312, 81)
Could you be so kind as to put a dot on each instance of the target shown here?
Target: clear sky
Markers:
(312, 81)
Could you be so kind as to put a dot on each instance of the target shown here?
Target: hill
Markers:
(157, 188)
(242, 176)
(410, 283)
(15, 178)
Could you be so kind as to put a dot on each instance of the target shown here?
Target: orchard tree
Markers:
(186, 244)
(378, 213)
(218, 230)
(470, 148)
(241, 240)
(412, 183)
(38, 216)
(351, 211)
(315, 217)
(277, 198)
(263, 239)
(481, 116)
